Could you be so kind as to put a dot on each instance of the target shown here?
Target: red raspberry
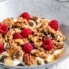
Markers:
(1, 48)
(47, 44)
(26, 32)
(3, 28)
(54, 24)
(25, 15)
(27, 47)
(1, 31)
(17, 36)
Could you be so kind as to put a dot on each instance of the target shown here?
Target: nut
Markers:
(44, 21)
(37, 53)
(34, 18)
(38, 43)
(19, 41)
(9, 22)
(29, 59)
(15, 52)
(17, 30)
(9, 34)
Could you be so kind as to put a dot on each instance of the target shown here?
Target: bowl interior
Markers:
(51, 9)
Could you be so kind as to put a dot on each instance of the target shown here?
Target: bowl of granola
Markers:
(32, 41)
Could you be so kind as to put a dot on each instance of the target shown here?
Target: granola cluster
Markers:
(28, 40)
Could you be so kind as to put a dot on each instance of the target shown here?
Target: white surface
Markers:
(62, 65)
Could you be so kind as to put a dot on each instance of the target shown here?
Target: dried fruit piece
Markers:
(27, 47)
(17, 36)
(47, 44)
(29, 59)
(26, 32)
(25, 15)
(54, 24)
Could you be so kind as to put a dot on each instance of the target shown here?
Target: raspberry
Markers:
(47, 44)
(54, 24)
(25, 15)
(17, 36)
(1, 31)
(3, 28)
(1, 48)
(27, 47)
(26, 32)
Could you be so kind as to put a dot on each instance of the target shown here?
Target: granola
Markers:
(30, 41)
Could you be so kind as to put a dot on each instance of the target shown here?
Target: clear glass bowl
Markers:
(51, 9)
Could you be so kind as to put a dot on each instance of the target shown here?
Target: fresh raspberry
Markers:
(3, 28)
(54, 24)
(27, 47)
(26, 32)
(1, 31)
(1, 48)
(17, 36)
(25, 15)
(47, 44)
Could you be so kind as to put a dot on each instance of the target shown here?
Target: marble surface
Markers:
(62, 65)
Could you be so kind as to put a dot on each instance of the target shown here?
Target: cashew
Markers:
(17, 30)
(20, 41)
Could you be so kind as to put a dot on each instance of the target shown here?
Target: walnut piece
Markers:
(9, 22)
(15, 51)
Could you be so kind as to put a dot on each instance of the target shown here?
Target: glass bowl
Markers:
(51, 9)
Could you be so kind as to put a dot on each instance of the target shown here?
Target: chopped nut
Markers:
(25, 40)
(44, 22)
(17, 30)
(21, 20)
(37, 53)
(40, 61)
(9, 34)
(29, 59)
(38, 43)
(15, 51)
(19, 41)
(34, 18)
(38, 25)
(35, 38)
(9, 22)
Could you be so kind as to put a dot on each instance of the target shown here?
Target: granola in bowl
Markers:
(28, 41)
